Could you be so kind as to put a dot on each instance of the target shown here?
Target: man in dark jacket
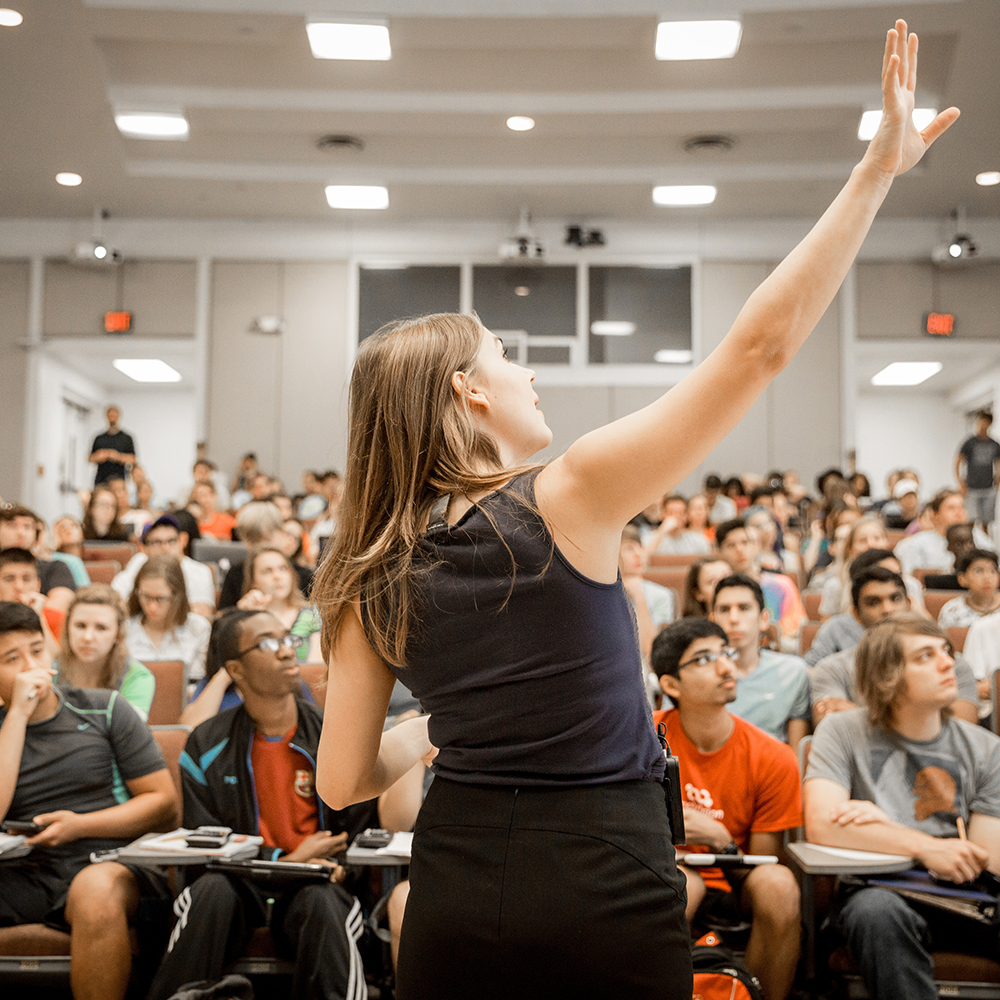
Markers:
(252, 768)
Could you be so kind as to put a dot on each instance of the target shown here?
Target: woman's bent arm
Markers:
(609, 475)
(357, 761)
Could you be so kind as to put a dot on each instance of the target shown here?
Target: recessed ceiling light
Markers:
(69, 180)
(147, 370)
(152, 124)
(988, 178)
(9, 18)
(520, 123)
(349, 39)
(356, 196)
(612, 328)
(907, 372)
(521, 291)
(684, 194)
(698, 39)
(922, 117)
(674, 357)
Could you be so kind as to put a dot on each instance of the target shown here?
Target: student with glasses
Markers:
(740, 788)
(161, 624)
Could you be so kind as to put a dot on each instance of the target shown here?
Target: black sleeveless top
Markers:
(531, 675)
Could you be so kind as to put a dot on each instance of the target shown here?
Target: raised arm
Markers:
(610, 474)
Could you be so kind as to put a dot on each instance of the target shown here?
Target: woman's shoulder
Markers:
(136, 669)
(198, 625)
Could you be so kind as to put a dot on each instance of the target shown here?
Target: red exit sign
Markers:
(117, 322)
(939, 324)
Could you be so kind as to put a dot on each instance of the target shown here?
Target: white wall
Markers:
(897, 427)
(162, 424)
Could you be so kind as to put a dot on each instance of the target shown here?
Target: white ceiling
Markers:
(612, 121)
(94, 360)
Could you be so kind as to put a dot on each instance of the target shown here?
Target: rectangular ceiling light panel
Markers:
(870, 120)
(906, 373)
(152, 124)
(357, 196)
(349, 39)
(684, 194)
(668, 357)
(698, 39)
(147, 369)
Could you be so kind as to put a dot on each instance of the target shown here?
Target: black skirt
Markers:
(542, 892)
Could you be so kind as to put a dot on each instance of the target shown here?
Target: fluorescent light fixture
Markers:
(906, 372)
(520, 123)
(349, 39)
(922, 117)
(69, 180)
(666, 357)
(147, 369)
(152, 124)
(356, 196)
(612, 328)
(684, 194)
(385, 265)
(9, 18)
(698, 39)
(988, 178)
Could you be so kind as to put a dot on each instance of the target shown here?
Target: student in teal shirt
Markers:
(93, 653)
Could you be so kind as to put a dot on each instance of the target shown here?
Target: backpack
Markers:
(719, 974)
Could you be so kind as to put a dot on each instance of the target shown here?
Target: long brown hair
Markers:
(411, 439)
(117, 532)
(691, 605)
(116, 665)
(167, 569)
(295, 598)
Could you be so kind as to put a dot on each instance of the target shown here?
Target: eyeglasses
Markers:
(706, 658)
(272, 643)
(153, 599)
(155, 543)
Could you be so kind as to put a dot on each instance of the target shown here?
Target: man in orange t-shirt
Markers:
(212, 522)
(741, 792)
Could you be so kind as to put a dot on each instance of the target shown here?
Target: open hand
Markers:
(897, 145)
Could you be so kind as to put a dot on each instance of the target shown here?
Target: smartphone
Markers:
(373, 838)
(208, 836)
(18, 826)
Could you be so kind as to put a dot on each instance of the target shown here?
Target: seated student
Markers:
(19, 582)
(699, 585)
(896, 777)
(260, 525)
(698, 516)
(100, 519)
(978, 574)
(844, 631)
(959, 538)
(741, 793)
(67, 539)
(672, 537)
(93, 654)
(772, 689)
(252, 768)
(928, 549)
(904, 507)
(739, 548)
(876, 593)
(864, 534)
(161, 624)
(213, 522)
(270, 584)
(19, 530)
(653, 604)
(982, 650)
(164, 538)
(82, 765)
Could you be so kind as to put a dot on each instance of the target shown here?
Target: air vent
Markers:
(709, 144)
(340, 142)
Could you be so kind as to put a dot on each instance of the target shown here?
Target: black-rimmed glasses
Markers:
(272, 643)
(707, 657)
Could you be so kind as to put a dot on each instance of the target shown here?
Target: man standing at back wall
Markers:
(980, 453)
(113, 450)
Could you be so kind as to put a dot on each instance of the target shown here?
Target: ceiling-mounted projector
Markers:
(523, 248)
(95, 253)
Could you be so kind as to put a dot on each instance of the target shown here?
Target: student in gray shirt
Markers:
(904, 776)
(876, 593)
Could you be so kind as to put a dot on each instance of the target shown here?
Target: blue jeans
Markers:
(981, 505)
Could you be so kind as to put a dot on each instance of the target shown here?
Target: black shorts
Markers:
(542, 892)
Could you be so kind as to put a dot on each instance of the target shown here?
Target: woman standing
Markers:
(93, 653)
(542, 860)
(161, 625)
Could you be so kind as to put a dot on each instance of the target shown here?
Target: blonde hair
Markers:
(257, 521)
(880, 661)
(844, 574)
(295, 598)
(411, 439)
(116, 664)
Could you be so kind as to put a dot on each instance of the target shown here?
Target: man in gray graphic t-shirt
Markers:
(980, 455)
(903, 776)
